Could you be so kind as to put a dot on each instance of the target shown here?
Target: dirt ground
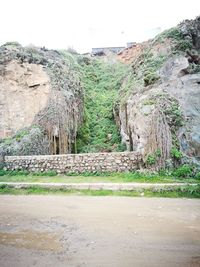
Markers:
(74, 231)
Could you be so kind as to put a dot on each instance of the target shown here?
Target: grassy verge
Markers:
(180, 192)
(103, 178)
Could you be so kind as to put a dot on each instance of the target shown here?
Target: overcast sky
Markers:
(83, 24)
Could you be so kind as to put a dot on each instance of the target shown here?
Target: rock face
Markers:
(24, 91)
(41, 101)
(160, 115)
(186, 90)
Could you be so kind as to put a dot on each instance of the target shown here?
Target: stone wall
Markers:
(78, 163)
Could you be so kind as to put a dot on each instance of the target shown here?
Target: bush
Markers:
(197, 175)
(151, 159)
(183, 45)
(183, 171)
(3, 172)
(150, 78)
(175, 153)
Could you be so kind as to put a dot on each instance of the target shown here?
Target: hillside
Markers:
(159, 114)
(41, 101)
(145, 99)
(102, 79)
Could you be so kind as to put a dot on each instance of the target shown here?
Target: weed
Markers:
(151, 159)
(150, 78)
(175, 153)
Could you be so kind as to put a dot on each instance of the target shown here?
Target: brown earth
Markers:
(78, 231)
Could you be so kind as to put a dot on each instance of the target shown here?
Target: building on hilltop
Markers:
(101, 51)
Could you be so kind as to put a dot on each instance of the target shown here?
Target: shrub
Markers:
(3, 172)
(150, 78)
(173, 33)
(183, 171)
(197, 175)
(175, 153)
(151, 159)
(183, 45)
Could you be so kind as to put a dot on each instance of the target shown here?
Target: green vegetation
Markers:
(102, 81)
(173, 176)
(183, 46)
(175, 153)
(194, 68)
(173, 114)
(188, 191)
(150, 101)
(26, 173)
(150, 78)
(173, 33)
(150, 66)
(151, 159)
(183, 171)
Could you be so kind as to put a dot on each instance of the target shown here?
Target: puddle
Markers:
(195, 262)
(32, 240)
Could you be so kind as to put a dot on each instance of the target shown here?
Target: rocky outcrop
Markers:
(186, 90)
(25, 90)
(191, 31)
(41, 101)
(160, 115)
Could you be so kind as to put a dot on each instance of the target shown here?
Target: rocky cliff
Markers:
(159, 111)
(41, 100)
(153, 97)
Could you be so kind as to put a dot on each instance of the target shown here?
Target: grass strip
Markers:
(187, 191)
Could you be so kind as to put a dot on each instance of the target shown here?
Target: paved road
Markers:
(97, 186)
(75, 231)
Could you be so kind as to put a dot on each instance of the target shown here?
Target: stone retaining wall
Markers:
(78, 163)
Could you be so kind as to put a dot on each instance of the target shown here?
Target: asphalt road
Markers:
(74, 231)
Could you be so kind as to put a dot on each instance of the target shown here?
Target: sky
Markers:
(59, 24)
